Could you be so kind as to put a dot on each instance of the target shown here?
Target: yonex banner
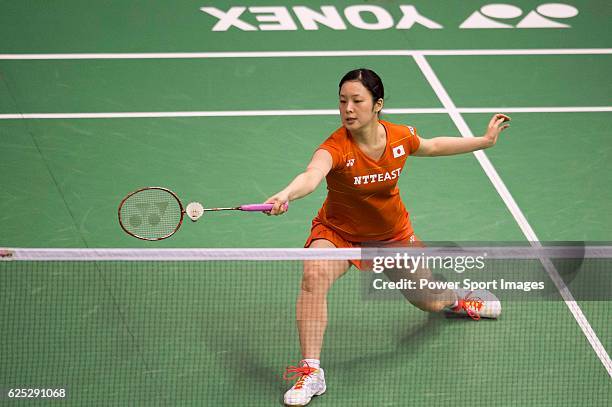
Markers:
(375, 17)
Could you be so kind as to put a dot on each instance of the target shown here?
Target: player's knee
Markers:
(316, 278)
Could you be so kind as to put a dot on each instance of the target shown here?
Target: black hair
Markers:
(369, 79)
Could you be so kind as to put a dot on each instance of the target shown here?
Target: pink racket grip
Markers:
(260, 207)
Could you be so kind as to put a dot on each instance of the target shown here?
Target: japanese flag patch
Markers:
(398, 151)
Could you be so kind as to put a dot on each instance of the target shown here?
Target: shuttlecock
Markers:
(195, 210)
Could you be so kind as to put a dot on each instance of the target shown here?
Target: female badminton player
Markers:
(362, 161)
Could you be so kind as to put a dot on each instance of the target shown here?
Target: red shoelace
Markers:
(471, 305)
(302, 372)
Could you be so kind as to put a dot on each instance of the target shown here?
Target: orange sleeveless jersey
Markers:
(363, 202)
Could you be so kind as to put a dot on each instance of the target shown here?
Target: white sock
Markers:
(312, 362)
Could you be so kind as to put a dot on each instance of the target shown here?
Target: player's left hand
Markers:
(498, 123)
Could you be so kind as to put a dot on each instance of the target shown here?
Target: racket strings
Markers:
(151, 214)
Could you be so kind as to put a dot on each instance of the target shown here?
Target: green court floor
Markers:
(220, 334)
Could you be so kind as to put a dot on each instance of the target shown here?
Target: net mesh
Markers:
(217, 327)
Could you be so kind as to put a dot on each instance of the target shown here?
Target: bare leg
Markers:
(429, 300)
(311, 307)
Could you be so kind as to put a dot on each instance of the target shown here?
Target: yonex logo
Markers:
(151, 213)
(498, 16)
(6, 254)
(374, 17)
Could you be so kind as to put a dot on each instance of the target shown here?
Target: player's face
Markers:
(357, 108)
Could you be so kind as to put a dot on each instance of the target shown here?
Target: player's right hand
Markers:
(280, 201)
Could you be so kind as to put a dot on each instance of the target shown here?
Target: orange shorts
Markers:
(319, 231)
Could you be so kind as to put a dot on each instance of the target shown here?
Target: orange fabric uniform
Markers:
(363, 203)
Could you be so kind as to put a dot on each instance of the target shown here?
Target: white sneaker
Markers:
(311, 382)
(477, 304)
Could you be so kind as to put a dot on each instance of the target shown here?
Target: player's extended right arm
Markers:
(304, 183)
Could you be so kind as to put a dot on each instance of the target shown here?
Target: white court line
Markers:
(119, 115)
(212, 113)
(562, 51)
(516, 213)
(297, 54)
(303, 112)
(551, 109)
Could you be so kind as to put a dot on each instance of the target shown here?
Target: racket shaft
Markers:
(248, 208)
